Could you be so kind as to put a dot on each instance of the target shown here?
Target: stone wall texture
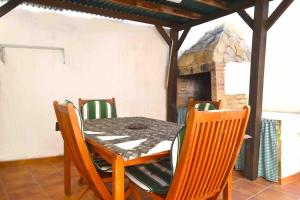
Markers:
(210, 54)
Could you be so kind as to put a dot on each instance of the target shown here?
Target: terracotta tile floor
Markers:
(44, 181)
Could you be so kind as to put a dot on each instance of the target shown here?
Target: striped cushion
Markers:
(156, 176)
(152, 177)
(98, 110)
(176, 147)
(201, 107)
(204, 106)
(101, 164)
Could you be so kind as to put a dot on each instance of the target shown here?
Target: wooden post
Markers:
(256, 86)
(172, 80)
(174, 44)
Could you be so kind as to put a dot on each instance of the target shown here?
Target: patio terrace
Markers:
(43, 180)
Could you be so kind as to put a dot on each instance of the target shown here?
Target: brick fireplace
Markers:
(202, 67)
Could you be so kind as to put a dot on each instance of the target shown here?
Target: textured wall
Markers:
(104, 58)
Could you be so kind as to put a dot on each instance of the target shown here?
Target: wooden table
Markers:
(135, 140)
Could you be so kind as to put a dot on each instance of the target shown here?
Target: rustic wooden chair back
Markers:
(81, 103)
(192, 103)
(210, 148)
(73, 138)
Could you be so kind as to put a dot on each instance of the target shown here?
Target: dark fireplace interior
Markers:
(197, 86)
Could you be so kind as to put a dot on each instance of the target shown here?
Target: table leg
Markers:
(227, 192)
(67, 170)
(118, 179)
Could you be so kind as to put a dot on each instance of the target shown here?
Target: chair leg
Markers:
(128, 192)
(84, 191)
(227, 191)
(136, 194)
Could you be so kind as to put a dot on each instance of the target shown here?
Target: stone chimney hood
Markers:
(221, 45)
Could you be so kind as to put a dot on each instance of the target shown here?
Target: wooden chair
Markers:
(211, 143)
(76, 145)
(216, 105)
(97, 108)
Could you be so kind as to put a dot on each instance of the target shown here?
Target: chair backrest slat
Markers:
(210, 148)
(72, 136)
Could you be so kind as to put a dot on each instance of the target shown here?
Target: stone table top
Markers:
(132, 137)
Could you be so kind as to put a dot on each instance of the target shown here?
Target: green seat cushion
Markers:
(152, 177)
(201, 107)
(176, 148)
(102, 165)
(204, 106)
(98, 110)
(156, 176)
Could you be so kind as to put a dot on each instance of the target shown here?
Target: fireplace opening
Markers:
(202, 68)
(196, 86)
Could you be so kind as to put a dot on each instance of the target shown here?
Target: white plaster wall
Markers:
(290, 148)
(104, 58)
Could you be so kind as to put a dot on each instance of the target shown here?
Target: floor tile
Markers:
(55, 191)
(237, 195)
(19, 185)
(45, 181)
(13, 173)
(44, 172)
(291, 188)
(247, 187)
(1, 188)
(55, 178)
(271, 194)
(30, 194)
(3, 197)
(263, 182)
(11, 164)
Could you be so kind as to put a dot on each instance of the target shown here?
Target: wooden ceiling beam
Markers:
(221, 4)
(99, 11)
(8, 6)
(182, 37)
(278, 12)
(164, 34)
(147, 5)
(209, 17)
(246, 17)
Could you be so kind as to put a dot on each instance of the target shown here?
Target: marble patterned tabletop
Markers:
(132, 137)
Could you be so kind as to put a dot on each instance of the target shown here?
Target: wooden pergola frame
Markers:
(260, 26)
